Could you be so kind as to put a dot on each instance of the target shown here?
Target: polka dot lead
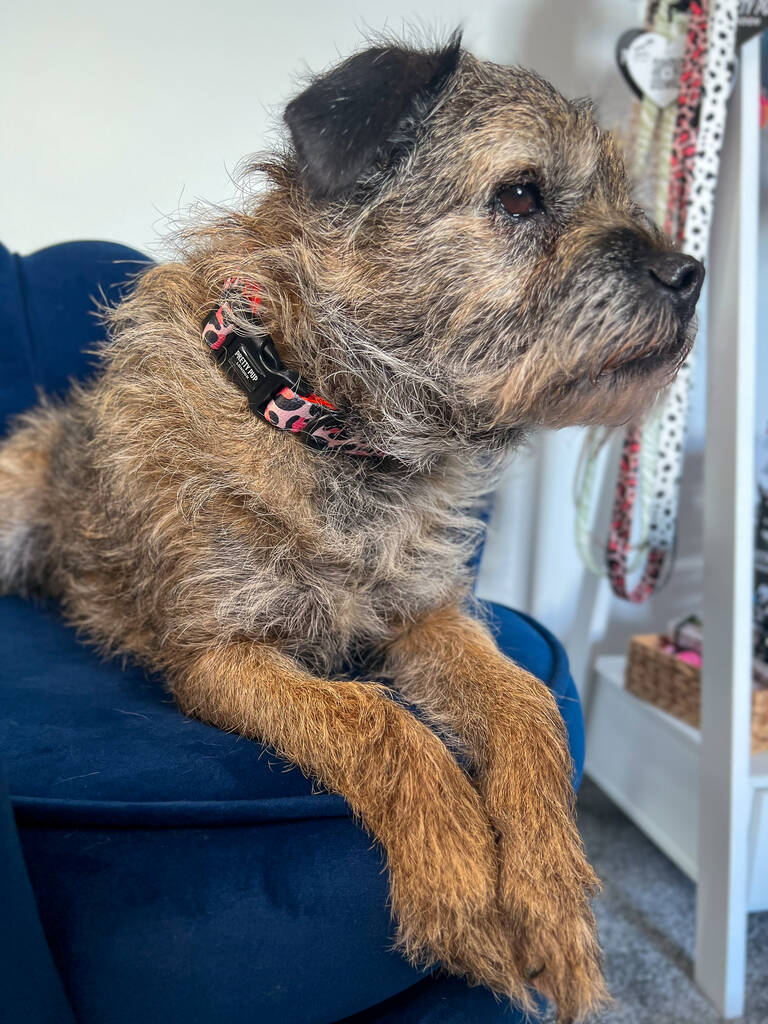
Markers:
(664, 473)
(699, 205)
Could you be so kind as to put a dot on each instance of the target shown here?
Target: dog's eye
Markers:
(519, 200)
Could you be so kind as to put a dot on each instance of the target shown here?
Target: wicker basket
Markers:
(675, 687)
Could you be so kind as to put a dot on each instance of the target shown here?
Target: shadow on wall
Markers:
(572, 45)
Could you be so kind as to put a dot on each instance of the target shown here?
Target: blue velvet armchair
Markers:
(153, 868)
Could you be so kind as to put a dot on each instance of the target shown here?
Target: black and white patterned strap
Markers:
(673, 414)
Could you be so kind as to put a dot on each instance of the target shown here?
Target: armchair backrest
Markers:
(47, 311)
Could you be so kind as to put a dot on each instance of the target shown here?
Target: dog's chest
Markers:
(389, 575)
(342, 588)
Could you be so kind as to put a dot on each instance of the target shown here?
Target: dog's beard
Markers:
(603, 363)
(664, 352)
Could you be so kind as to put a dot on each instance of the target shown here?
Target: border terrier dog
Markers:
(273, 473)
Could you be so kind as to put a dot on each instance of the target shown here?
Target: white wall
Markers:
(113, 115)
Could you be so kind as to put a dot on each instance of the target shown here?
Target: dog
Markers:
(275, 471)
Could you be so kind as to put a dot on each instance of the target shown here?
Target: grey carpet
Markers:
(646, 919)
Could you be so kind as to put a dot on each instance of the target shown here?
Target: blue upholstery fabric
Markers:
(29, 983)
(48, 302)
(182, 873)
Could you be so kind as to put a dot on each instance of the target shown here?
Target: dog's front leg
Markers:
(396, 774)
(511, 729)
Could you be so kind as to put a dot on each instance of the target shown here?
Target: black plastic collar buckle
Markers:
(254, 365)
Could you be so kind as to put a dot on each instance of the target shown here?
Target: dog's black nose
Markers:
(679, 277)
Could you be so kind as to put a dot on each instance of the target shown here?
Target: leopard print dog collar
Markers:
(274, 392)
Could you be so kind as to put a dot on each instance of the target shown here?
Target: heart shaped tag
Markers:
(651, 64)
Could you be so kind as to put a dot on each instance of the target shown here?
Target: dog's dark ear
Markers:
(342, 122)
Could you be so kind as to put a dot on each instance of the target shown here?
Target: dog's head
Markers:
(469, 244)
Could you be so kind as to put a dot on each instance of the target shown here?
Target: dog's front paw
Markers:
(545, 900)
(444, 871)
(545, 881)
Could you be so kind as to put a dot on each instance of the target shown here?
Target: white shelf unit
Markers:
(647, 762)
(659, 771)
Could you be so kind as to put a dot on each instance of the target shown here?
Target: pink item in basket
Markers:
(690, 657)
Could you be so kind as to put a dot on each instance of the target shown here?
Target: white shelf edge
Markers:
(611, 668)
(646, 823)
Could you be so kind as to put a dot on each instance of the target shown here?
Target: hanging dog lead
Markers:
(633, 45)
(686, 129)
(672, 414)
(721, 35)
(640, 445)
(676, 137)
(692, 180)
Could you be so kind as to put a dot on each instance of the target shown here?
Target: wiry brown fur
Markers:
(177, 528)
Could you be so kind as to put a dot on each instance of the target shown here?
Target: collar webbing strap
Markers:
(274, 392)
